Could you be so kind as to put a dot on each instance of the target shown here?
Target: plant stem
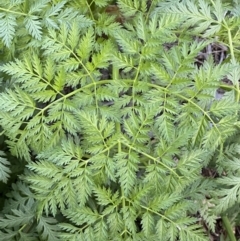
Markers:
(228, 228)
(115, 73)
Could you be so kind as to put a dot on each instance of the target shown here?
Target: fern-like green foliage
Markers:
(117, 156)
(4, 167)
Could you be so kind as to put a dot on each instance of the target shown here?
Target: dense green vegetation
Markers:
(119, 120)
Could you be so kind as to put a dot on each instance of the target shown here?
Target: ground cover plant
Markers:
(119, 120)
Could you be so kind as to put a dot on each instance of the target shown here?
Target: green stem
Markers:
(231, 47)
(90, 10)
(115, 77)
(26, 6)
(11, 11)
(115, 73)
(230, 41)
(228, 228)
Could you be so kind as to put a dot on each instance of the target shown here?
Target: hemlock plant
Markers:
(107, 121)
